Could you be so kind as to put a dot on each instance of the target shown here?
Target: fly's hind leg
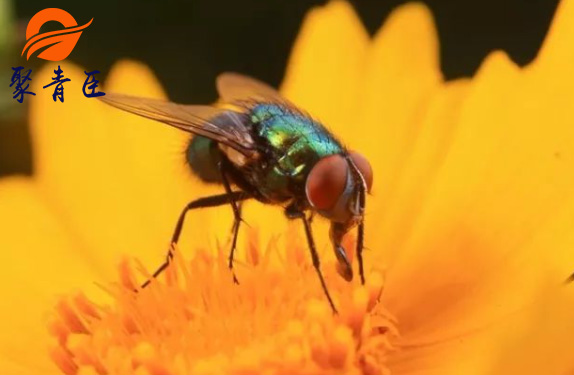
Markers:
(205, 202)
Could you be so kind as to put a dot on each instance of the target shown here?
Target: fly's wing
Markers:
(234, 87)
(222, 125)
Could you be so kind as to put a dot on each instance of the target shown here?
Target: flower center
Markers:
(195, 320)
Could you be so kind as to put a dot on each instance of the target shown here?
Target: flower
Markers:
(468, 228)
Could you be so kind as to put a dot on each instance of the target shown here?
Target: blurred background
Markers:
(193, 41)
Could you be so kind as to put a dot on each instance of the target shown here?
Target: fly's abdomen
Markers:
(203, 156)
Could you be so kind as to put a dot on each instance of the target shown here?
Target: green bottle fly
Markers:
(257, 145)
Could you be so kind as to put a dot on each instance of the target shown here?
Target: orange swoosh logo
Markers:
(59, 43)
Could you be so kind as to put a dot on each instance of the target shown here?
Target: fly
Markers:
(257, 145)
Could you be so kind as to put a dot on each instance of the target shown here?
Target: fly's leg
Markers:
(311, 217)
(360, 239)
(361, 187)
(205, 202)
(361, 235)
(236, 221)
(293, 213)
(240, 209)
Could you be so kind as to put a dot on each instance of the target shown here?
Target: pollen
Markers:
(195, 320)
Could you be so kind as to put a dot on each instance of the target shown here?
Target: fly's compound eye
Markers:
(364, 167)
(327, 181)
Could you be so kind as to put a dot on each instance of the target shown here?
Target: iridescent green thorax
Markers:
(295, 143)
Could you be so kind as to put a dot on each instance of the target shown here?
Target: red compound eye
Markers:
(364, 167)
(326, 181)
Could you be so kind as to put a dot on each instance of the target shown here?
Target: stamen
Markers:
(194, 320)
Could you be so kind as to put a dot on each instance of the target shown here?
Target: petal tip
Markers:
(498, 60)
(335, 13)
(556, 50)
(334, 8)
(411, 16)
(409, 35)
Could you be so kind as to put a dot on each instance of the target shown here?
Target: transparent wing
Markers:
(234, 87)
(220, 124)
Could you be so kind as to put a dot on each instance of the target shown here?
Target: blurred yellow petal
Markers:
(40, 260)
(97, 164)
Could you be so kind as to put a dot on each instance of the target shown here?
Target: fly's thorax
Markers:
(292, 143)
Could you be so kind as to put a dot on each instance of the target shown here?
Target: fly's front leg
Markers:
(360, 239)
(211, 201)
(361, 187)
(293, 213)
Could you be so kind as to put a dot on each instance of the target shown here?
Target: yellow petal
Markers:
(541, 340)
(437, 128)
(327, 65)
(532, 340)
(556, 56)
(469, 354)
(117, 180)
(506, 176)
(40, 260)
(400, 77)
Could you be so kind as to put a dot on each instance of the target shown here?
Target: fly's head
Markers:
(336, 188)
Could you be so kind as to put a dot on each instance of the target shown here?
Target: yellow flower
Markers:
(469, 227)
